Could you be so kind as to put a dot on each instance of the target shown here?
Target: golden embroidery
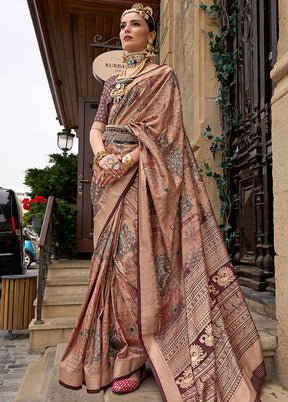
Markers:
(197, 355)
(208, 337)
(187, 380)
(224, 277)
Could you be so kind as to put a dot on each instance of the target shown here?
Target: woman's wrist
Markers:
(127, 160)
(99, 155)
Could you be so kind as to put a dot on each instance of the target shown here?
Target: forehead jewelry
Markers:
(145, 12)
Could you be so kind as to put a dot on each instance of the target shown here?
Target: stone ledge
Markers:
(60, 301)
(260, 302)
(31, 385)
(70, 264)
(67, 282)
(52, 323)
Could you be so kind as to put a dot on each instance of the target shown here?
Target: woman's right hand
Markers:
(108, 175)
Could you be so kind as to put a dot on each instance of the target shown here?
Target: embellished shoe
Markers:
(127, 385)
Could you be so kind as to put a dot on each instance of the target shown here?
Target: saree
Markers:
(162, 287)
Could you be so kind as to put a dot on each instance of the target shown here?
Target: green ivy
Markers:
(225, 66)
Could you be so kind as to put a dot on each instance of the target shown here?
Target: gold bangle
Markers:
(98, 156)
(127, 160)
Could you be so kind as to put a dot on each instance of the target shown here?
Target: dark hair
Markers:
(150, 24)
(152, 28)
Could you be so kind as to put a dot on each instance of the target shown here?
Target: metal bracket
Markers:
(98, 42)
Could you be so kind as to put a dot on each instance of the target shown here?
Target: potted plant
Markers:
(36, 208)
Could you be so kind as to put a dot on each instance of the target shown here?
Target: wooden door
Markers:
(251, 176)
(87, 110)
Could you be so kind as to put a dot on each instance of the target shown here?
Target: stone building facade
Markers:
(185, 47)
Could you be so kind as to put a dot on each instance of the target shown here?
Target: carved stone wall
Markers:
(280, 188)
(185, 47)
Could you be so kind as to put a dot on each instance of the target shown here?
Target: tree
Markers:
(59, 180)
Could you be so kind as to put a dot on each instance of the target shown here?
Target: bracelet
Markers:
(127, 160)
(98, 156)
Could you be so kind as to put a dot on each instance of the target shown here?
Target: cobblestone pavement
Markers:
(14, 360)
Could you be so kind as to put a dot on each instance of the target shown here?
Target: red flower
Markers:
(27, 203)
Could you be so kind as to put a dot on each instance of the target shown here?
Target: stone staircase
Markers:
(40, 383)
(65, 289)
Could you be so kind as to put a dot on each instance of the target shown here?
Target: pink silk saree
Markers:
(161, 285)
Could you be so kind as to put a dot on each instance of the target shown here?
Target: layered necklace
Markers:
(136, 60)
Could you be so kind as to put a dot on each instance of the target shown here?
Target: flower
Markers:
(35, 206)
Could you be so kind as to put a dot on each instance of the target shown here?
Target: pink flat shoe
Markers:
(125, 386)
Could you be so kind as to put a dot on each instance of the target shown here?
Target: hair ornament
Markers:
(145, 12)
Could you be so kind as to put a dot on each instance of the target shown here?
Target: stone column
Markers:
(280, 189)
(185, 47)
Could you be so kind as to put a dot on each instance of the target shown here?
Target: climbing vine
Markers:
(225, 64)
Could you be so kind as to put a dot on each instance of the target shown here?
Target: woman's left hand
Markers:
(104, 178)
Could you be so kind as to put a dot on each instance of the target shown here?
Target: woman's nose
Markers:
(127, 28)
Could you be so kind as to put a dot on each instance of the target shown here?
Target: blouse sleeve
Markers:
(105, 103)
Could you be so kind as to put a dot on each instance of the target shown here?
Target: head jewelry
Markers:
(145, 12)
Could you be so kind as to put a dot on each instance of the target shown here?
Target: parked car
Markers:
(11, 237)
(31, 246)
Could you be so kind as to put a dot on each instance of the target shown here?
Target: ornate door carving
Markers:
(251, 176)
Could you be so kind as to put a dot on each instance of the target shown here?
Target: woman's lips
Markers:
(127, 37)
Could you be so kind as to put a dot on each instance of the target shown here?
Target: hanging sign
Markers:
(107, 64)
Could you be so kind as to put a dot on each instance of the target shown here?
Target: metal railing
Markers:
(45, 246)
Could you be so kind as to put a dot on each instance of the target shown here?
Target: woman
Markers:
(161, 285)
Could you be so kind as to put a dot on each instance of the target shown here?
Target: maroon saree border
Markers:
(151, 365)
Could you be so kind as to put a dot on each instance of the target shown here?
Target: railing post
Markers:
(45, 245)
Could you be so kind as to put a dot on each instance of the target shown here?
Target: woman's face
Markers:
(134, 33)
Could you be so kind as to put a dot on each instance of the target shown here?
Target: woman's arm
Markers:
(96, 132)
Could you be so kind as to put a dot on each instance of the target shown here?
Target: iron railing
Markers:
(45, 246)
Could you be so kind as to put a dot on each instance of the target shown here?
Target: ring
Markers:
(113, 164)
(104, 176)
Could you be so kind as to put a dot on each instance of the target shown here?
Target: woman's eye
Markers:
(122, 26)
(136, 23)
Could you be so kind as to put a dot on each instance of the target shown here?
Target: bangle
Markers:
(98, 156)
(127, 160)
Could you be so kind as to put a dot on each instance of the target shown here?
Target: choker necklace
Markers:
(133, 59)
(122, 81)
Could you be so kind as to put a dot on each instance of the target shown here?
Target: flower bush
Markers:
(35, 206)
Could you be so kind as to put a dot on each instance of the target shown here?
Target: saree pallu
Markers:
(191, 319)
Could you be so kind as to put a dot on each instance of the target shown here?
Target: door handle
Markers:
(80, 183)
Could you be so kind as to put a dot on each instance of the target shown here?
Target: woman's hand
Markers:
(112, 170)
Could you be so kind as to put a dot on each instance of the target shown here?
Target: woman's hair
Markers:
(150, 24)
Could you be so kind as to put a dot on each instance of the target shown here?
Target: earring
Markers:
(149, 49)
(124, 56)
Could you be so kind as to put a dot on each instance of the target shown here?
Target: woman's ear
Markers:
(152, 35)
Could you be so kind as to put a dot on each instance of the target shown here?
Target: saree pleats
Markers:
(161, 282)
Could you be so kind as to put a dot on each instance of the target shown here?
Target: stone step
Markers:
(50, 333)
(69, 269)
(34, 386)
(148, 390)
(267, 329)
(66, 287)
(61, 306)
(40, 383)
(260, 302)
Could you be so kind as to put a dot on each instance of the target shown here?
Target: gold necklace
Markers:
(122, 81)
